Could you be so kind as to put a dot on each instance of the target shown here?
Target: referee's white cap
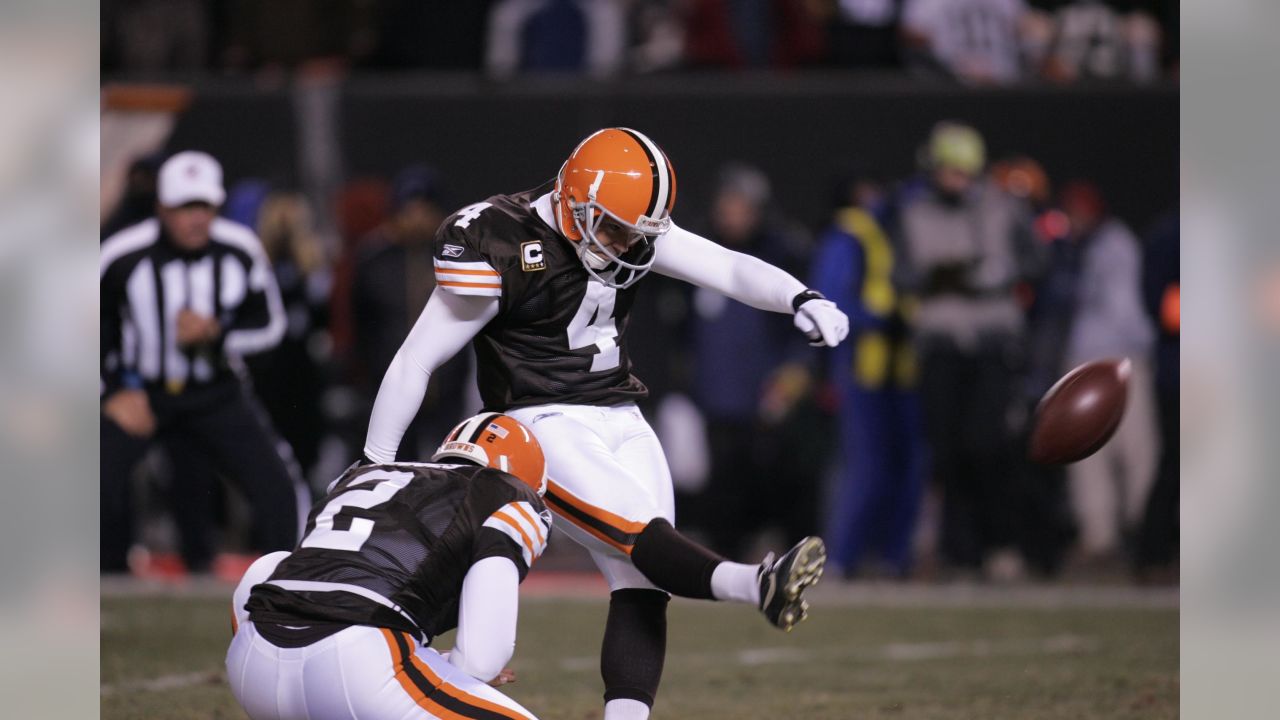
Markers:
(190, 176)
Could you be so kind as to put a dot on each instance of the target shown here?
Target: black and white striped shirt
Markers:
(145, 281)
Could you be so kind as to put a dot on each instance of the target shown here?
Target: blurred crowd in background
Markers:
(972, 286)
(976, 41)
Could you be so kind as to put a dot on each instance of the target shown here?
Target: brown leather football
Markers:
(1080, 412)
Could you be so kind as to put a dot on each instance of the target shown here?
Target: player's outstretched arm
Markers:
(690, 257)
(487, 618)
(446, 325)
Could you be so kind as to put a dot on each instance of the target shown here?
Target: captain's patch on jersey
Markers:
(531, 258)
(452, 250)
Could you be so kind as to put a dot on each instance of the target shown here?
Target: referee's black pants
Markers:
(216, 429)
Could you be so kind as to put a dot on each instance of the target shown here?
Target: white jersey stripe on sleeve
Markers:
(476, 266)
(535, 542)
(527, 513)
(523, 516)
(506, 527)
(445, 276)
(468, 278)
(470, 288)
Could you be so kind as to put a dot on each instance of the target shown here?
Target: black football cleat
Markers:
(783, 582)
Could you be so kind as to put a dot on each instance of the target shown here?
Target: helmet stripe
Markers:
(457, 431)
(671, 193)
(658, 161)
(481, 425)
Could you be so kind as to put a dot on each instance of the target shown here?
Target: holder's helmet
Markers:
(498, 441)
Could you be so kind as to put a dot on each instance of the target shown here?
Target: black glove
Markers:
(359, 463)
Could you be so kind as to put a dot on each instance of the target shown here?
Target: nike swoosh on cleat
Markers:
(768, 597)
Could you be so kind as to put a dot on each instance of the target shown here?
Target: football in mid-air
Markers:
(1080, 412)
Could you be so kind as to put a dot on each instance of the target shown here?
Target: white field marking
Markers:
(581, 663)
(823, 595)
(891, 652)
(164, 683)
(874, 594)
(772, 656)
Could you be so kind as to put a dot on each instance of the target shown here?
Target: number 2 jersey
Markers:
(389, 547)
(557, 337)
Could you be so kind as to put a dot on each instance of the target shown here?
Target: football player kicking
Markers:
(393, 556)
(541, 282)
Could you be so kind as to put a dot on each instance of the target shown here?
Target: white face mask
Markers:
(597, 257)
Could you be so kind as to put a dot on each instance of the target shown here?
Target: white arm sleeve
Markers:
(690, 257)
(487, 618)
(447, 324)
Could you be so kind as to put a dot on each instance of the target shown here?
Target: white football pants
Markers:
(360, 673)
(608, 479)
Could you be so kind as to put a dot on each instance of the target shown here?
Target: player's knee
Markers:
(673, 562)
(651, 540)
(483, 663)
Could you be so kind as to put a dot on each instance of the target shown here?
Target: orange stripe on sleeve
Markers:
(523, 535)
(537, 526)
(460, 283)
(486, 286)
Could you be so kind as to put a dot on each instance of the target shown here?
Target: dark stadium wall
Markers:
(488, 138)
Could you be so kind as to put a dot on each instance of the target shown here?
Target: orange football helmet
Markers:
(498, 441)
(620, 174)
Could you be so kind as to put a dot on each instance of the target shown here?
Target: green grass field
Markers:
(162, 659)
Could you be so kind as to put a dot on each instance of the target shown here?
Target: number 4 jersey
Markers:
(557, 337)
(390, 545)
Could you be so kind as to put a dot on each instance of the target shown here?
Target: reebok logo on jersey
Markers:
(452, 251)
(531, 256)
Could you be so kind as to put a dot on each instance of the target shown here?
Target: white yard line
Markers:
(827, 593)
(891, 652)
(751, 657)
(962, 595)
(163, 683)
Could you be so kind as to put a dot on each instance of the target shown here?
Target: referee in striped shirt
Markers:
(183, 296)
